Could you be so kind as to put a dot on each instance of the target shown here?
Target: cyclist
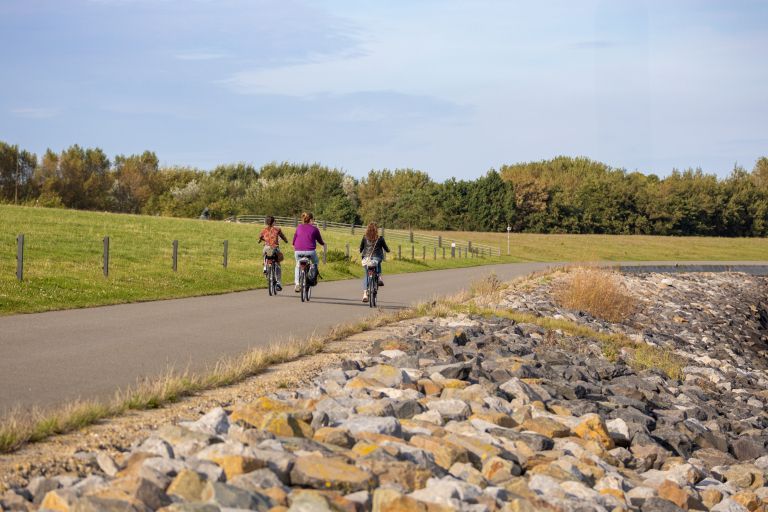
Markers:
(271, 236)
(305, 241)
(372, 247)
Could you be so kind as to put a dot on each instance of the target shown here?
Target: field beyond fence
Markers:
(64, 255)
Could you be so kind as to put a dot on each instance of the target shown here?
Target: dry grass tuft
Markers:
(487, 291)
(599, 292)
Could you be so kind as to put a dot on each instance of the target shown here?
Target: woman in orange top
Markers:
(271, 236)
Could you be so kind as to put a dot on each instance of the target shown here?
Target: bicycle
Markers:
(270, 266)
(373, 283)
(306, 289)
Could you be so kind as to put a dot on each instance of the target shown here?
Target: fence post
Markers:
(353, 229)
(226, 253)
(424, 252)
(443, 252)
(399, 252)
(410, 234)
(413, 253)
(20, 257)
(469, 246)
(105, 267)
(175, 255)
(295, 222)
(439, 240)
(435, 253)
(347, 250)
(325, 254)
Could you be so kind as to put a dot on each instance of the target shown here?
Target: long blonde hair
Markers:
(372, 232)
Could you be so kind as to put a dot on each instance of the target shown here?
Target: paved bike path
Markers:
(49, 358)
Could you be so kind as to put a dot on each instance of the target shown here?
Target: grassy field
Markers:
(63, 256)
(592, 248)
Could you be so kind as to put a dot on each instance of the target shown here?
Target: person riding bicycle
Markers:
(305, 241)
(372, 248)
(271, 236)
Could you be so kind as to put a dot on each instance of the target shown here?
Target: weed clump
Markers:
(597, 292)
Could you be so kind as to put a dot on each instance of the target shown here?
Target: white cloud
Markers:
(35, 112)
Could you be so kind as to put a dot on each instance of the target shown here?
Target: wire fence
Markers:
(407, 236)
(434, 252)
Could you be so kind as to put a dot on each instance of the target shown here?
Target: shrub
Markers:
(598, 292)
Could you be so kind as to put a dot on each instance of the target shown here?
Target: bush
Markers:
(597, 292)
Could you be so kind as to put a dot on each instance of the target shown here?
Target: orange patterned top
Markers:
(271, 236)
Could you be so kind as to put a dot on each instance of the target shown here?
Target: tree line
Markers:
(561, 195)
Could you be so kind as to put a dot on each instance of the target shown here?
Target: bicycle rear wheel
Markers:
(302, 284)
(270, 280)
(371, 290)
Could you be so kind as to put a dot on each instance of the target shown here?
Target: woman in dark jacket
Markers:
(372, 247)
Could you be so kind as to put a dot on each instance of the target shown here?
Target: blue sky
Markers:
(452, 88)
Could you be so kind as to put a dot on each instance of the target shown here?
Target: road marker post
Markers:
(175, 255)
(226, 253)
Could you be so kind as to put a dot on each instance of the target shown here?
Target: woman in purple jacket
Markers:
(305, 241)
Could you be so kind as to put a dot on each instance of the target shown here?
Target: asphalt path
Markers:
(50, 358)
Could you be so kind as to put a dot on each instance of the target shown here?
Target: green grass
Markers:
(63, 258)
(588, 248)
(64, 250)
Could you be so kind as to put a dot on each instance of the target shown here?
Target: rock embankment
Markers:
(480, 413)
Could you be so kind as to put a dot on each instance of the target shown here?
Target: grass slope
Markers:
(589, 248)
(63, 258)
(64, 250)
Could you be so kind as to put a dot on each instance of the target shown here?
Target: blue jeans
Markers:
(365, 274)
(300, 254)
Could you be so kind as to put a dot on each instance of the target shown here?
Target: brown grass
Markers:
(599, 292)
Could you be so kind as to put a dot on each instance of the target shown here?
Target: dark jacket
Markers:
(375, 249)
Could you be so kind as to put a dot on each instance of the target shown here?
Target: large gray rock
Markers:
(450, 409)
(376, 425)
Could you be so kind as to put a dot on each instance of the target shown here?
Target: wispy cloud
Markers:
(200, 56)
(35, 112)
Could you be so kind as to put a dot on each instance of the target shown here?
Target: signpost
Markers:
(509, 228)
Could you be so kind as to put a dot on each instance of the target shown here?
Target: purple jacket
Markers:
(307, 237)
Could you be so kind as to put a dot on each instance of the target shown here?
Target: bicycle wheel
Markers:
(302, 284)
(270, 284)
(309, 292)
(371, 292)
(375, 286)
